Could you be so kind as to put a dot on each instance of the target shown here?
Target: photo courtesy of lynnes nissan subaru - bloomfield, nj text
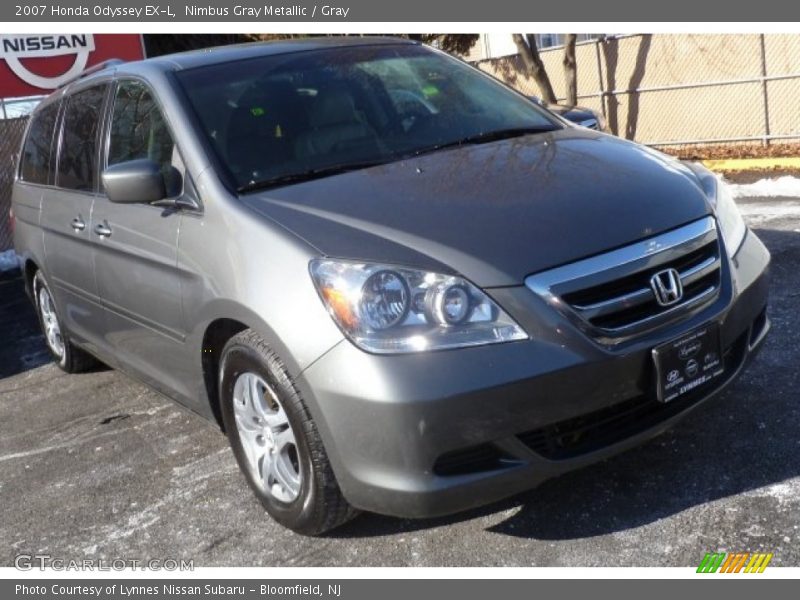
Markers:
(398, 285)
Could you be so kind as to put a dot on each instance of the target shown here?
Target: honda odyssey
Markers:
(397, 285)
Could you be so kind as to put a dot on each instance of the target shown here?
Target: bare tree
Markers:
(157, 44)
(529, 51)
(454, 43)
(570, 69)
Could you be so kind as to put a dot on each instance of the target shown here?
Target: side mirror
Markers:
(138, 181)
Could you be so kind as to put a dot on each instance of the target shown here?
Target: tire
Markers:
(275, 440)
(65, 354)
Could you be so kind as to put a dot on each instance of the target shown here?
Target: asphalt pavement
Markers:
(97, 465)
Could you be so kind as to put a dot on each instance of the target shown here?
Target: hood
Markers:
(496, 212)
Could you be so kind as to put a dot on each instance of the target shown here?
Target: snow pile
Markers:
(8, 261)
(767, 188)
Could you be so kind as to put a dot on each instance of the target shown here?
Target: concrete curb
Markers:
(753, 164)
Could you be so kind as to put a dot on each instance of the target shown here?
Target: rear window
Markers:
(77, 163)
(35, 160)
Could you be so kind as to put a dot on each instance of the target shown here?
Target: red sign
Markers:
(36, 64)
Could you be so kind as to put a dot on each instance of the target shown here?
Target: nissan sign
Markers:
(35, 64)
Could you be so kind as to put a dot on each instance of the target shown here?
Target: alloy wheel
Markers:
(52, 328)
(267, 437)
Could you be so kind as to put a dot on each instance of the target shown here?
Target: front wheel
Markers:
(275, 441)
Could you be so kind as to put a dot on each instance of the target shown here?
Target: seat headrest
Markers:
(271, 102)
(333, 107)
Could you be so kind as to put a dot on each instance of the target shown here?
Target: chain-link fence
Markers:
(11, 131)
(679, 90)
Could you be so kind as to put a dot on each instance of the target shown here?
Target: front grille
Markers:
(610, 295)
(623, 302)
(586, 433)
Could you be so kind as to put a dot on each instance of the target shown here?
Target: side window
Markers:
(35, 159)
(139, 131)
(77, 161)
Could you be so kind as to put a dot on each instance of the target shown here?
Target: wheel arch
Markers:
(216, 335)
(29, 270)
(222, 320)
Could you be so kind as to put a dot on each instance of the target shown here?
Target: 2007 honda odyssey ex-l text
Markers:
(398, 285)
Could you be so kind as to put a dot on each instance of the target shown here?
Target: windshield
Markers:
(289, 117)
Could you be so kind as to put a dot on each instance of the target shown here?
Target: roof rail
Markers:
(111, 62)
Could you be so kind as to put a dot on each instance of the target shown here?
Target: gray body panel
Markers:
(70, 256)
(138, 280)
(420, 407)
(145, 297)
(496, 212)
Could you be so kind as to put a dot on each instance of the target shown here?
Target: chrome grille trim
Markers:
(615, 304)
(697, 272)
(697, 240)
(699, 299)
(643, 295)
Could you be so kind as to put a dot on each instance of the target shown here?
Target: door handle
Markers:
(102, 229)
(78, 224)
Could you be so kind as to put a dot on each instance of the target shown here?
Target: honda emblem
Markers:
(667, 287)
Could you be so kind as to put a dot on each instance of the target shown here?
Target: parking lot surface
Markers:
(97, 465)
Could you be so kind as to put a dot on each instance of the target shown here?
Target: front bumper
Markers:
(429, 434)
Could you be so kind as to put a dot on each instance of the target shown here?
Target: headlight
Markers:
(387, 309)
(730, 220)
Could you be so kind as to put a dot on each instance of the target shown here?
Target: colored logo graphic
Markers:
(16, 47)
(744, 562)
(35, 64)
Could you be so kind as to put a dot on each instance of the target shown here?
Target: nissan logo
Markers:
(15, 48)
(667, 287)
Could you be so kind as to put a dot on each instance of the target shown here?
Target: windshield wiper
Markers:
(485, 137)
(308, 175)
(478, 138)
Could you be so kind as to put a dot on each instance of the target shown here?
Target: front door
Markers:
(136, 255)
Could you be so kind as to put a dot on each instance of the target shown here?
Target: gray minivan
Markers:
(398, 285)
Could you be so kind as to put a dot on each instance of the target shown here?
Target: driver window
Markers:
(139, 131)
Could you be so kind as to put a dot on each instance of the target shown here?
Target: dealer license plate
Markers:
(688, 362)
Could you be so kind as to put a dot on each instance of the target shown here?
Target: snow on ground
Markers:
(758, 212)
(8, 261)
(767, 188)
